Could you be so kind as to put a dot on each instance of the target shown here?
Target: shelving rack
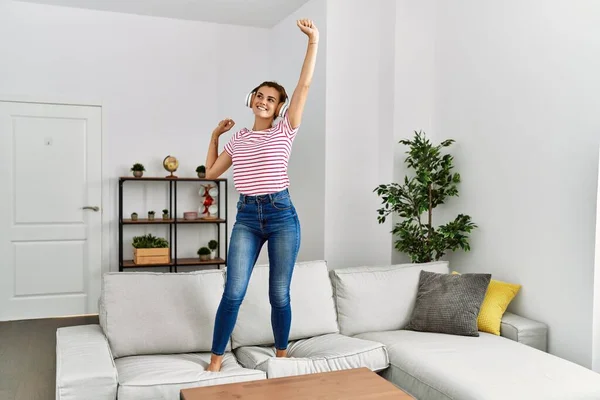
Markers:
(173, 223)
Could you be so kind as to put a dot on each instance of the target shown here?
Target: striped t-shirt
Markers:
(260, 158)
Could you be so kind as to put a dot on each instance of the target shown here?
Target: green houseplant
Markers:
(165, 214)
(201, 171)
(204, 253)
(149, 249)
(433, 181)
(138, 170)
(212, 245)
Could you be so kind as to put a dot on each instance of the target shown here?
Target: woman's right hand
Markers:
(224, 126)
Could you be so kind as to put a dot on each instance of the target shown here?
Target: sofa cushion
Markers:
(437, 366)
(448, 303)
(497, 298)
(160, 313)
(324, 353)
(310, 290)
(378, 298)
(163, 376)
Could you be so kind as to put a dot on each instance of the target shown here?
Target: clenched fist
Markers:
(224, 126)
(309, 28)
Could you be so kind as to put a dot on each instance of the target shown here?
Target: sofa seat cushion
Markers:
(163, 376)
(332, 352)
(437, 366)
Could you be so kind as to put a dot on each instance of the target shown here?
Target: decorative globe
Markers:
(171, 164)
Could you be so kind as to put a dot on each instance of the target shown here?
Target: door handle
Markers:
(95, 208)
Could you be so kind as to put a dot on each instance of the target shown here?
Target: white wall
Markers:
(164, 85)
(596, 306)
(359, 140)
(414, 84)
(287, 50)
(516, 86)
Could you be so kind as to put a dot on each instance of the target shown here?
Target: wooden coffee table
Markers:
(359, 383)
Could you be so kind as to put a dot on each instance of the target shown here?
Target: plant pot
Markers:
(205, 257)
(151, 256)
(151, 217)
(165, 216)
(201, 175)
(134, 217)
(138, 174)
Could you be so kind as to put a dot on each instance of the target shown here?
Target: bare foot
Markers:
(281, 353)
(215, 363)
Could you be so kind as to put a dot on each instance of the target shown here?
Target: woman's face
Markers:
(265, 102)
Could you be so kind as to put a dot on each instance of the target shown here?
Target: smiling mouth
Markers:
(261, 108)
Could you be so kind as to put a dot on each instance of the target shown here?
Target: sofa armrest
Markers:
(85, 368)
(523, 330)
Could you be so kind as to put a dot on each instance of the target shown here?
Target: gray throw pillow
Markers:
(448, 303)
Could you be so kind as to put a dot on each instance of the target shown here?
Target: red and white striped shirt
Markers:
(260, 158)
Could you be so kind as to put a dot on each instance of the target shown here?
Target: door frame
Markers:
(105, 206)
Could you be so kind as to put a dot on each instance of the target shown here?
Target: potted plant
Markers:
(204, 253)
(165, 214)
(151, 215)
(212, 245)
(201, 170)
(149, 249)
(138, 170)
(432, 183)
(134, 216)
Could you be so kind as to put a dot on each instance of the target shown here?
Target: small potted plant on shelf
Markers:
(204, 253)
(201, 170)
(151, 215)
(149, 249)
(134, 216)
(212, 245)
(165, 214)
(138, 170)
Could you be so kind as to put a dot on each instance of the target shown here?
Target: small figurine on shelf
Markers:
(212, 245)
(138, 170)
(204, 253)
(134, 216)
(201, 170)
(165, 214)
(204, 210)
(151, 215)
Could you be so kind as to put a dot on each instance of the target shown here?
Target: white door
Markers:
(50, 241)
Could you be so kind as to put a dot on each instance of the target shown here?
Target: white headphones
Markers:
(281, 110)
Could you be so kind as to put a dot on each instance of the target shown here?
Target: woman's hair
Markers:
(282, 94)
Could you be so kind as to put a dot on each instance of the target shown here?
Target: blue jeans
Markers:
(268, 218)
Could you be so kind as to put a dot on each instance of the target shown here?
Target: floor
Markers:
(28, 357)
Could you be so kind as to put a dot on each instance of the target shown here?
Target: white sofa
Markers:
(155, 335)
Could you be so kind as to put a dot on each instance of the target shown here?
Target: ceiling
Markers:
(258, 13)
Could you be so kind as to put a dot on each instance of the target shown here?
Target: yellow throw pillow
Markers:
(497, 298)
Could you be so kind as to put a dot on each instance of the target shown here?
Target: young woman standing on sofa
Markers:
(265, 212)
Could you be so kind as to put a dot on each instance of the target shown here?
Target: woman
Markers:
(265, 211)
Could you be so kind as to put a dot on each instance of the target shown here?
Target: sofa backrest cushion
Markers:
(160, 313)
(378, 298)
(311, 296)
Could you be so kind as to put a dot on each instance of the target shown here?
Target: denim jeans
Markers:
(270, 218)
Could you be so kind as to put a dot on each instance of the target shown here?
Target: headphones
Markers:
(281, 109)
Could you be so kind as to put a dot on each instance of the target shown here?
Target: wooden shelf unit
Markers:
(221, 256)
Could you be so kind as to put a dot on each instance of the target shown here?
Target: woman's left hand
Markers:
(309, 28)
